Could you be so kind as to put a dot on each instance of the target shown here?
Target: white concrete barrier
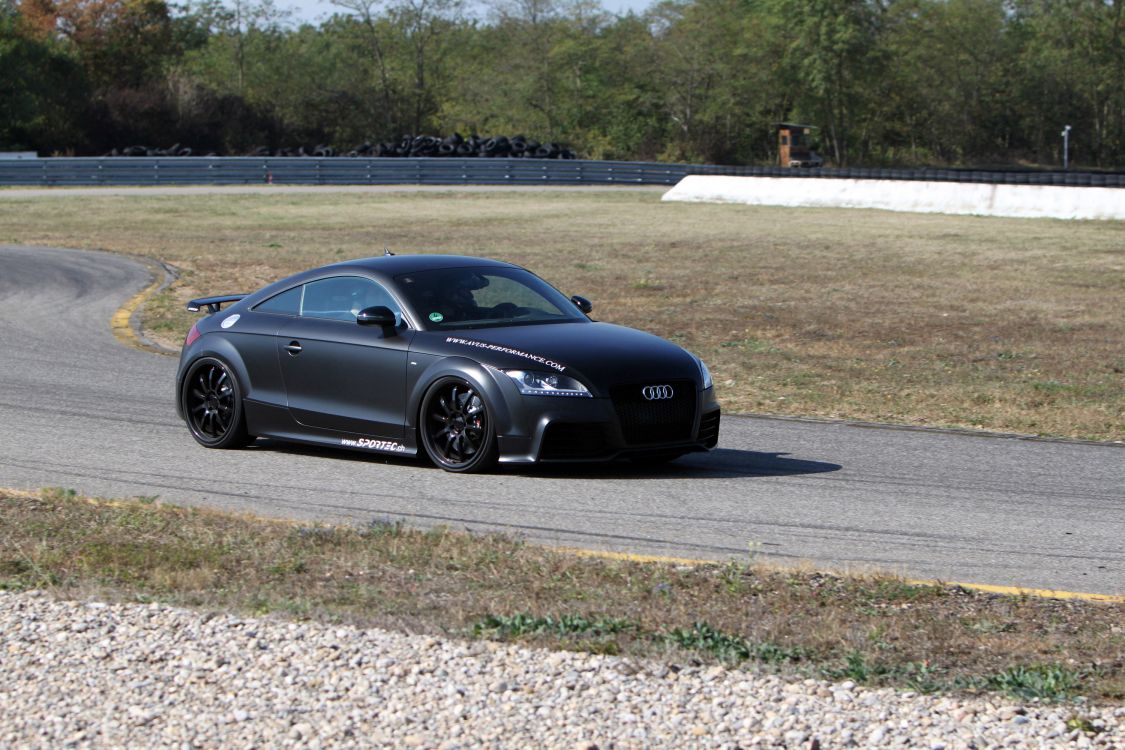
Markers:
(1034, 201)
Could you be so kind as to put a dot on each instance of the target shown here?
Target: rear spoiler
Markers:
(213, 304)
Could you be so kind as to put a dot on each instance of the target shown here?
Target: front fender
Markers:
(479, 376)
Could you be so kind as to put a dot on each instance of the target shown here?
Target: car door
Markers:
(339, 375)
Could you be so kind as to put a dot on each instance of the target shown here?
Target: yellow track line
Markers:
(630, 557)
(119, 323)
(985, 587)
(1017, 591)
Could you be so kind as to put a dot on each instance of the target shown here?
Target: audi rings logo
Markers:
(657, 392)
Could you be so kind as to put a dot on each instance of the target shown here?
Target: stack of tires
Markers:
(456, 145)
(516, 147)
(173, 150)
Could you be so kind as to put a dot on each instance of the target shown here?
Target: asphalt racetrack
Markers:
(78, 409)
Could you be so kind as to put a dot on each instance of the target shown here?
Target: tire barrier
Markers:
(516, 147)
(460, 170)
(421, 146)
(174, 150)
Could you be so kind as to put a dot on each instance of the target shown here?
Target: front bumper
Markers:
(566, 430)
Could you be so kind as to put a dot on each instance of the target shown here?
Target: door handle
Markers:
(294, 348)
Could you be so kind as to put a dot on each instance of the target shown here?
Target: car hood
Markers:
(600, 354)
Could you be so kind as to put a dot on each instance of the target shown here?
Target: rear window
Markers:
(286, 303)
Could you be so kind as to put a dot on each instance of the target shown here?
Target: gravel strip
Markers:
(88, 674)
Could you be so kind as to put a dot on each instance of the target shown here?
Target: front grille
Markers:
(573, 441)
(646, 422)
(709, 429)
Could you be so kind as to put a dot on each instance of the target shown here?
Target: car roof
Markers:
(393, 265)
(382, 267)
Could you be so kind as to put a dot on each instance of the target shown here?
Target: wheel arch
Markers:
(219, 348)
(476, 374)
(212, 429)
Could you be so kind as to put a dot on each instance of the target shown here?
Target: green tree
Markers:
(721, 68)
(42, 91)
(1073, 72)
(424, 26)
(834, 51)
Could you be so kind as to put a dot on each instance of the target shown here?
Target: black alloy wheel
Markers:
(456, 428)
(212, 403)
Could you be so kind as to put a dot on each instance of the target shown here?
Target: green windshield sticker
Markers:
(436, 317)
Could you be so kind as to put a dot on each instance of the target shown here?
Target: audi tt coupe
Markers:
(471, 361)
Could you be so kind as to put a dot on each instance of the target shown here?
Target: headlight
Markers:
(707, 383)
(546, 384)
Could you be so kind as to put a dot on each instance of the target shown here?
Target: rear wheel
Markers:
(456, 427)
(212, 405)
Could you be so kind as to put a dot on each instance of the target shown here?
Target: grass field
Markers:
(873, 630)
(1001, 324)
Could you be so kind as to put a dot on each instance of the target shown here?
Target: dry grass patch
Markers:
(876, 630)
(1004, 324)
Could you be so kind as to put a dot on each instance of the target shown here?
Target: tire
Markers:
(212, 403)
(455, 427)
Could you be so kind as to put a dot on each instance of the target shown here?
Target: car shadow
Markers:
(715, 464)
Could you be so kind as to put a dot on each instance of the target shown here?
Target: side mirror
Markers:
(379, 315)
(582, 304)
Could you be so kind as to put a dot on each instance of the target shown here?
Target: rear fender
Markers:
(219, 348)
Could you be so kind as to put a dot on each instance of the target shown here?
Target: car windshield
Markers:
(474, 297)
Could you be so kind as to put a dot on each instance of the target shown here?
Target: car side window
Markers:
(286, 303)
(342, 297)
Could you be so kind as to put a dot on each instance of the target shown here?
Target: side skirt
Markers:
(276, 423)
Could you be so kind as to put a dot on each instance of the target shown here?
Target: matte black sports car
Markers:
(469, 360)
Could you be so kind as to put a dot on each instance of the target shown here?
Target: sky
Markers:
(314, 11)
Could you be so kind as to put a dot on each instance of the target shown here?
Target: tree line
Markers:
(885, 82)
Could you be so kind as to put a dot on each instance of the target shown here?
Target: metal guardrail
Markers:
(340, 171)
(241, 170)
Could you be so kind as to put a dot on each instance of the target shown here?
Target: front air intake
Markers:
(563, 441)
(653, 413)
(709, 429)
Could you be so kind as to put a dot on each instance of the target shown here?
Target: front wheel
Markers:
(456, 427)
(212, 405)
